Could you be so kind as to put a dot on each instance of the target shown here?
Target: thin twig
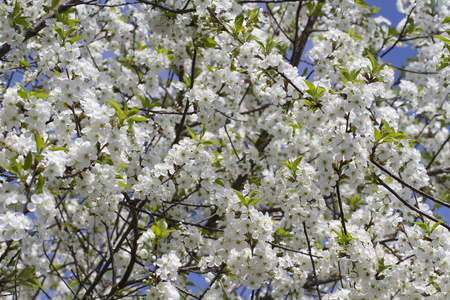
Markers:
(409, 205)
(340, 208)
(408, 185)
(312, 260)
(401, 33)
(292, 250)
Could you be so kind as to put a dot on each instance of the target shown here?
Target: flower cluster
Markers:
(214, 149)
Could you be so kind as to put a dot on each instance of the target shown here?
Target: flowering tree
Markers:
(149, 146)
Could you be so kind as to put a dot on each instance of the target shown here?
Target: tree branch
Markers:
(297, 55)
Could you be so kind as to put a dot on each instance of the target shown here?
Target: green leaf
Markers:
(190, 283)
(166, 233)
(138, 118)
(156, 230)
(254, 201)
(75, 39)
(442, 66)
(40, 182)
(60, 32)
(192, 133)
(211, 41)
(115, 105)
(238, 22)
(71, 30)
(436, 225)
(373, 62)
(288, 165)
(16, 10)
(446, 20)
(55, 3)
(26, 277)
(219, 182)
(39, 141)
(162, 224)
(422, 225)
(362, 3)
(59, 149)
(317, 10)
(241, 197)
(121, 166)
(312, 88)
(400, 136)
(444, 39)
(296, 162)
(211, 143)
(119, 111)
(436, 286)
(319, 245)
(386, 125)
(25, 63)
(187, 80)
(9, 168)
(144, 101)
(42, 95)
(124, 185)
(28, 161)
(22, 92)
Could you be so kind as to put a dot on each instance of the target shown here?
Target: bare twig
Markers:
(408, 185)
(312, 260)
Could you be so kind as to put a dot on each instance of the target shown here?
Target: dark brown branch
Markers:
(442, 170)
(297, 17)
(219, 273)
(341, 209)
(297, 55)
(312, 260)
(132, 262)
(258, 108)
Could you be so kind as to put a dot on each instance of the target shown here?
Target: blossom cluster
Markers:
(196, 150)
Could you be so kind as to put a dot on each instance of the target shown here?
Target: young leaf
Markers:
(362, 3)
(138, 118)
(28, 161)
(119, 111)
(312, 88)
(39, 141)
(25, 63)
(59, 149)
(241, 197)
(191, 132)
(238, 22)
(42, 95)
(124, 185)
(75, 39)
(386, 125)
